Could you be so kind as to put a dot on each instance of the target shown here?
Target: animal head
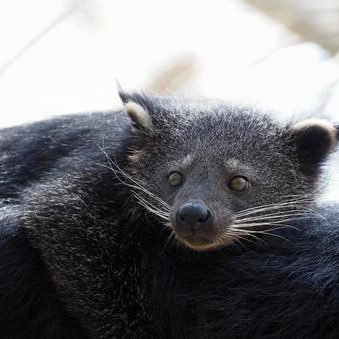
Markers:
(215, 173)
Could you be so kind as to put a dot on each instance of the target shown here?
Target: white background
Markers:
(63, 56)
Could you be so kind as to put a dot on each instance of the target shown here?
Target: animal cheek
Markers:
(223, 215)
(223, 223)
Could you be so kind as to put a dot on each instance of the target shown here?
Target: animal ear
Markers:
(313, 139)
(138, 114)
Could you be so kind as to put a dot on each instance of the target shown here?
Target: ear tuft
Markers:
(124, 97)
(139, 116)
(315, 139)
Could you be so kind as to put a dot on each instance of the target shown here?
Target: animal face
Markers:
(216, 174)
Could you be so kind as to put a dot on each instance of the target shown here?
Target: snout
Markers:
(194, 224)
(193, 217)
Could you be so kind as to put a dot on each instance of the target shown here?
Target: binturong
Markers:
(215, 174)
(172, 218)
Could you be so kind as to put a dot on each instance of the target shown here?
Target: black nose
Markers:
(193, 216)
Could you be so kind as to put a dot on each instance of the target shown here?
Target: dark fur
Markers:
(79, 255)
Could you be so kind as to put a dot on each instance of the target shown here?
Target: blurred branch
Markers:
(175, 75)
(313, 20)
(54, 23)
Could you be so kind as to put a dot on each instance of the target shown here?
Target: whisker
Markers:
(267, 221)
(249, 225)
(153, 211)
(250, 234)
(137, 185)
(235, 242)
(142, 189)
(282, 211)
(298, 199)
(271, 207)
(140, 198)
(170, 238)
(267, 232)
(290, 216)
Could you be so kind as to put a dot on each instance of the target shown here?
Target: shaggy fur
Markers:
(81, 256)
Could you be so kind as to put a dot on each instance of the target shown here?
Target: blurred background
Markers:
(64, 56)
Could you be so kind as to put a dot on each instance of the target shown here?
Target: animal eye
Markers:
(175, 179)
(239, 184)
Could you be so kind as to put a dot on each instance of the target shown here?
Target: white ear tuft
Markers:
(139, 116)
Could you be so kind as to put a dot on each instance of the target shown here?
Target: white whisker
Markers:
(261, 224)
(288, 216)
(268, 232)
(118, 170)
(271, 207)
(250, 234)
(153, 211)
(141, 199)
(136, 185)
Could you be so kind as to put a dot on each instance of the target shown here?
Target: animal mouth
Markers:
(201, 242)
(197, 239)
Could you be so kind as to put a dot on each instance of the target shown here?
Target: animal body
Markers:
(177, 218)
